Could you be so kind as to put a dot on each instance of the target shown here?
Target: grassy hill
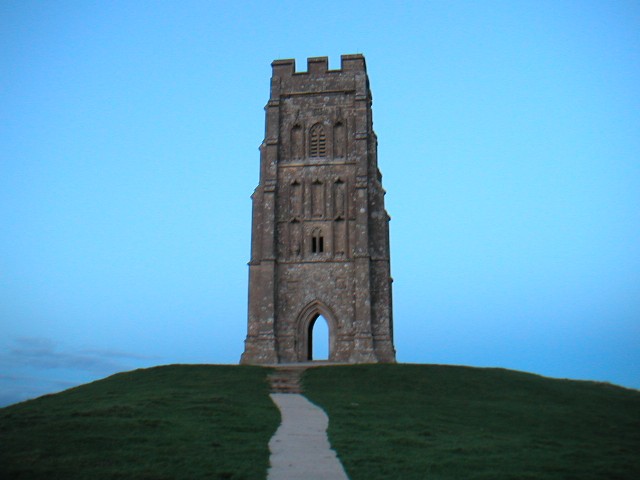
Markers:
(387, 422)
(174, 422)
(441, 422)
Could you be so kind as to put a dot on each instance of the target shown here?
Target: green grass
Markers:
(173, 422)
(386, 422)
(436, 422)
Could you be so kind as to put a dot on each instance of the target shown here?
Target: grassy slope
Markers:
(437, 422)
(387, 422)
(173, 422)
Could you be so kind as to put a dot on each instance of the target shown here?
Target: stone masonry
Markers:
(320, 231)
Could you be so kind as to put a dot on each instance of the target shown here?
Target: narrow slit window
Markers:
(317, 242)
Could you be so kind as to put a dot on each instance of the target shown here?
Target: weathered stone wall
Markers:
(320, 230)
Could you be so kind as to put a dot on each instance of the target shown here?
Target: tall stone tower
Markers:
(320, 232)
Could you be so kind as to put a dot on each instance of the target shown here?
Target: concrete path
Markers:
(300, 448)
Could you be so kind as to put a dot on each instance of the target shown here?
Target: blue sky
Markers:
(509, 141)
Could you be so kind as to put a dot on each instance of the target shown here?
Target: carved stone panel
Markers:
(339, 139)
(297, 142)
(295, 199)
(339, 198)
(317, 199)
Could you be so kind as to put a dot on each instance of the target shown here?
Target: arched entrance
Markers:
(318, 336)
(316, 328)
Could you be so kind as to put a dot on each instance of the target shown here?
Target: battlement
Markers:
(319, 66)
(318, 79)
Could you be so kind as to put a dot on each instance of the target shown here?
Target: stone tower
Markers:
(320, 232)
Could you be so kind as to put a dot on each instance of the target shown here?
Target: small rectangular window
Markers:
(321, 244)
(314, 245)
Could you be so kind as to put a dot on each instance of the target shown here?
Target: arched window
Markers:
(317, 141)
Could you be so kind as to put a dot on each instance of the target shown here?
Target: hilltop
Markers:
(386, 421)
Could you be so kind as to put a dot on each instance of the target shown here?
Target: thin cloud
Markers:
(33, 366)
(116, 354)
(43, 353)
(16, 388)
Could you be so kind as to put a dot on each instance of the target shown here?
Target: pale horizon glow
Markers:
(509, 141)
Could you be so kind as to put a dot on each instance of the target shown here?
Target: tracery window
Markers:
(317, 141)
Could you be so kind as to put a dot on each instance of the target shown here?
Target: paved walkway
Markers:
(300, 449)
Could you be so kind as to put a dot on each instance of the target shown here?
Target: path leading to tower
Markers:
(300, 448)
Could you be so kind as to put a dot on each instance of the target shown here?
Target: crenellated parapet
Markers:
(319, 65)
(350, 77)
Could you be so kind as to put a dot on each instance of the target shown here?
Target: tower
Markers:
(320, 231)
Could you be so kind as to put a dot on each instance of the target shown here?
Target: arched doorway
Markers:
(316, 333)
(318, 339)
